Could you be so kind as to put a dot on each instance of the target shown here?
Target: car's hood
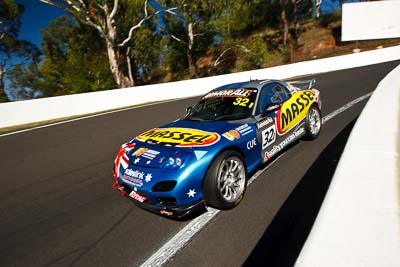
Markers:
(186, 134)
(180, 139)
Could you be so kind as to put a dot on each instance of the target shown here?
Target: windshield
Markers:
(227, 104)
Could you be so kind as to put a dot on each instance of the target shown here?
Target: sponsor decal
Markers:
(191, 193)
(228, 136)
(150, 154)
(139, 151)
(252, 143)
(136, 196)
(231, 135)
(229, 93)
(136, 177)
(265, 122)
(293, 111)
(238, 132)
(276, 148)
(145, 153)
(244, 129)
(268, 137)
(235, 134)
(180, 137)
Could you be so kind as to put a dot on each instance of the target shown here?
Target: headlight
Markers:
(178, 162)
(175, 162)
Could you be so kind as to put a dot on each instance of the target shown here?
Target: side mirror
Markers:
(189, 110)
(272, 107)
(311, 84)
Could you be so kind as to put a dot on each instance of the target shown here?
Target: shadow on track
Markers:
(283, 240)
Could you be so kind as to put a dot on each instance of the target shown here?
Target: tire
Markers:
(313, 123)
(225, 181)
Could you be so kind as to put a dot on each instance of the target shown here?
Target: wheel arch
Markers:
(228, 148)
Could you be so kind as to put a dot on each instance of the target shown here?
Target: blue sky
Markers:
(37, 15)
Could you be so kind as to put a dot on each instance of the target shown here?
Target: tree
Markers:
(24, 83)
(12, 50)
(193, 29)
(74, 59)
(105, 17)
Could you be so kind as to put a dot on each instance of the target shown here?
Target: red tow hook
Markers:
(120, 188)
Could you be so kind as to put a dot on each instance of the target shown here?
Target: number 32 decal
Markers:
(268, 137)
(243, 102)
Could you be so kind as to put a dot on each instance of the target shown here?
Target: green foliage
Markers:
(13, 52)
(75, 59)
(146, 54)
(201, 38)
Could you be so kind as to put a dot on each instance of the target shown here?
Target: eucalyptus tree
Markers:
(116, 22)
(192, 27)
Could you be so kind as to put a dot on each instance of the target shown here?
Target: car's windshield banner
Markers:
(229, 93)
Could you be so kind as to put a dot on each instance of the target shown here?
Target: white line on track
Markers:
(179, 240)
(87, 117)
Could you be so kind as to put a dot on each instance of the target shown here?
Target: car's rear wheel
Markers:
(226, 181)
(313, 123)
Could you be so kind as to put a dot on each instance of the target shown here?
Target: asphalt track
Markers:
(57, 207)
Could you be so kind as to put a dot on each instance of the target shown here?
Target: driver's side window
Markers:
(273, 93)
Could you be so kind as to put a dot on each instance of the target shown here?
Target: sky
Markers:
(37, 15)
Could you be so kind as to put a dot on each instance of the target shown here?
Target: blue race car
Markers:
(205, 159)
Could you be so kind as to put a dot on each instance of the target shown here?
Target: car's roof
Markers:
(249, 84)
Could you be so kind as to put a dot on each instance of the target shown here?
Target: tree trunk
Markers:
(295, 21)
(318, 8)
(190, 53)
(114, 57)
(285, 22)
(122, 80)
(3, 96)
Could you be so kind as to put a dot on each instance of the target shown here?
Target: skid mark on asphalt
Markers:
(178, 241)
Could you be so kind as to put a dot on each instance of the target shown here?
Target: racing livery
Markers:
(205, 158)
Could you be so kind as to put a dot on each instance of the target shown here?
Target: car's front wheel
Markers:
(226, 181)
(313, 123)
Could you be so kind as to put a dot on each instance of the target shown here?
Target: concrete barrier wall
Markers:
(359, 221)
(29, 111)
(370, 20)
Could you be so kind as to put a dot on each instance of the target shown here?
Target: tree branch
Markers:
(178, 39)
(140, 23)
(82, 3)
(146, 14)
(49, 2)
(218, 60)
(115, 9)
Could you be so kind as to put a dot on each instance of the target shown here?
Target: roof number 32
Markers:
(244, 102)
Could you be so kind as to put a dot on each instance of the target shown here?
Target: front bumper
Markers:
(171, 212)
